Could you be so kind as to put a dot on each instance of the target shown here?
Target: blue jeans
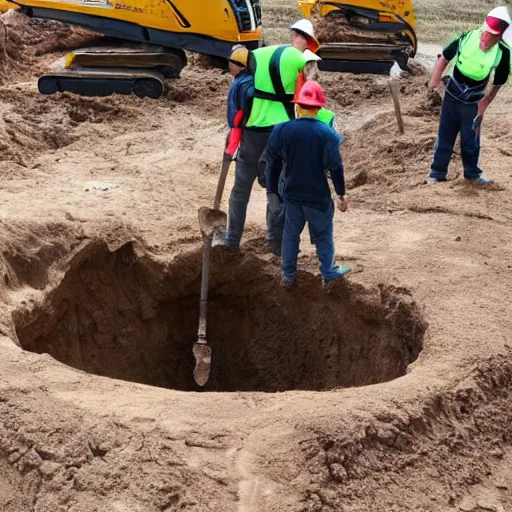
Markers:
(321, 230)
(249, 165)
(456, 117)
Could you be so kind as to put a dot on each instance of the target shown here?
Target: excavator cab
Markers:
(363, 36)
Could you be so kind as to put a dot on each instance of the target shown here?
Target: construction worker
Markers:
(276, 70)
(276, 216)
(478, 53)
(310, 148)
(240, 95)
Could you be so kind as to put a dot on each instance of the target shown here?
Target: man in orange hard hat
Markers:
(478, 54)
(310, 149)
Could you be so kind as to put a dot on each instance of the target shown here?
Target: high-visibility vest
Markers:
(275, 69)
(472, 61)
(326, 116)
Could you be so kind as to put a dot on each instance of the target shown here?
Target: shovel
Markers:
(210, 220)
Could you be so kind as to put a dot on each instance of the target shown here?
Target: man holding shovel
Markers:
(276, 70)
(310, 149)
(478, 54)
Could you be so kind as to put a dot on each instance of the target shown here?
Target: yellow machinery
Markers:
(363, 36)
(5, 6)
(164, 28)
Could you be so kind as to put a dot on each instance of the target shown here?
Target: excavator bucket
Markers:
(362, 36)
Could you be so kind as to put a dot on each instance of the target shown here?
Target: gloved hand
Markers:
(274, 202)
(477, 122)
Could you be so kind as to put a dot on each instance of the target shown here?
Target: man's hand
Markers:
(437, 73)
(342, 203)
(434, 84)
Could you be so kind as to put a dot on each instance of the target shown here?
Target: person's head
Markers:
(238, 59)
(303, 36)
(310, 100)
(496, 22)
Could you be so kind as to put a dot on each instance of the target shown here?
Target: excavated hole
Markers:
(125, 316)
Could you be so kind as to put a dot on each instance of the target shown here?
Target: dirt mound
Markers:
(24, 41)
(115, 306)
(335, 28)
(377, 154)
(206, 88)
(345, 89)
(31, 123)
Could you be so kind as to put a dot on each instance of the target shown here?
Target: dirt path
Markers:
(101, 260)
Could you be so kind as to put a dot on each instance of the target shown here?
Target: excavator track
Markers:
(103, 82)
(103, 71)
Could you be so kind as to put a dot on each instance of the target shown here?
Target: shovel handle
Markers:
(395, 94)
(226, 162)
(205, 278)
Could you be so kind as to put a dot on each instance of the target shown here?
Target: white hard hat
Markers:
(497, 21)
(501, 13)
(310, 56)
(304, 26)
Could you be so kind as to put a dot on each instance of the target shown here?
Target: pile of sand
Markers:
(31, 124)
(24, 42)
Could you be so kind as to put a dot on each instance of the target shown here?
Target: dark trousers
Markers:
(250, 162)
(456, 117)
(321, 230)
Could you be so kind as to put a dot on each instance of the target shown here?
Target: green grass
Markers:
(438, 21)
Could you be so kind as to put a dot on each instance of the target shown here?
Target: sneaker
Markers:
(431, 180)
(481, 180)
(341, 271)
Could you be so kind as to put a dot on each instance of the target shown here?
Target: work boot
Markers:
(219, 239)
(328, 285)
(481, 180)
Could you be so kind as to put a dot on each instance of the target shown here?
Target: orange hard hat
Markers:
(311, 95)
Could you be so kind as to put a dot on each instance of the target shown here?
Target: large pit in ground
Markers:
(123, 315)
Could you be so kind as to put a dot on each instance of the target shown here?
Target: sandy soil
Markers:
(99, 272)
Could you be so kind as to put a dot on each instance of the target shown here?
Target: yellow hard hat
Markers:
(239, 55)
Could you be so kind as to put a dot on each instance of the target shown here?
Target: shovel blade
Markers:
(203, 355)
(211, 220)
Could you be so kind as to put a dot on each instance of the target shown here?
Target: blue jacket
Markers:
(309, 149)
(240, 96)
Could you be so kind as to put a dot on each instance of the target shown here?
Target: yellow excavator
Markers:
(363, 36)
(162, 31)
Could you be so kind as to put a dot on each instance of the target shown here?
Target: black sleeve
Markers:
(503, 69)
(451, 49)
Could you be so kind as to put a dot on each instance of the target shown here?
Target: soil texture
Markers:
(390, 393)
